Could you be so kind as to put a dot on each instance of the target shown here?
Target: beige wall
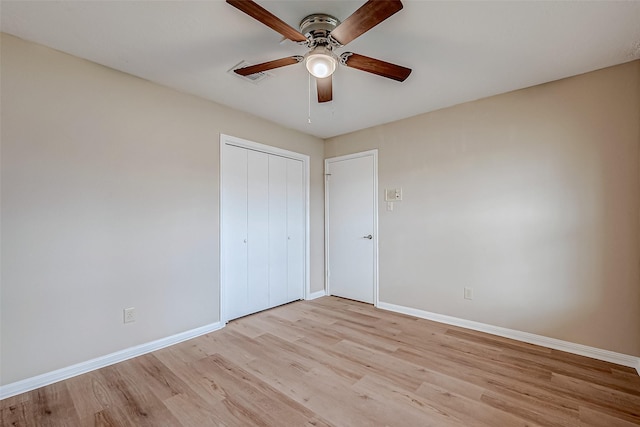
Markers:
(532, 198)
(110, 200)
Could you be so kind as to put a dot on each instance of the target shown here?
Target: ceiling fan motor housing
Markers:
(317, 27)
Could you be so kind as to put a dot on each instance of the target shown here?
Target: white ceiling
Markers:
(459, 51)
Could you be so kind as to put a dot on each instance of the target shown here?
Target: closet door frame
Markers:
(227, 140)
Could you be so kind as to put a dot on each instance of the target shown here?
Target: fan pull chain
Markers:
(309, 99)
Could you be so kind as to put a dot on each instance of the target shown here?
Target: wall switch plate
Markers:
(468, 293)
(393, 195)
(390, 206)
(129, 314)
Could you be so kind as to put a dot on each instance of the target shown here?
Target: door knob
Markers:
(369, 236)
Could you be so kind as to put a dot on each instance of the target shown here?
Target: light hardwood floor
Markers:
(338, 362)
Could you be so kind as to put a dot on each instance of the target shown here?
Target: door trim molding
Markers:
(374, 154)
(228, 140)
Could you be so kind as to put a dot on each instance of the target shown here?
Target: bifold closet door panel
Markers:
(263, 220)
(258, 231)
(235, 231)
(295, 230)
(277, 230)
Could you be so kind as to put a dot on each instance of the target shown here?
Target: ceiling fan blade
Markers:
(282, 62)
(362, 20)
(375, 66)
(259, 13)
(325, 89)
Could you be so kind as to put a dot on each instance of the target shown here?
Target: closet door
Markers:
(263, 230)
(295, 230)
(258, 198)
(235, 231)
(278, 230)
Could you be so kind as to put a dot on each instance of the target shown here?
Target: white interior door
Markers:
(351, 201)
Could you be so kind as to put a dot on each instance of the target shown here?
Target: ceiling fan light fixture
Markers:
(321, 63)
(322, 33)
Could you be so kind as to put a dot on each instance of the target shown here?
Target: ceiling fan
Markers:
(322, 34)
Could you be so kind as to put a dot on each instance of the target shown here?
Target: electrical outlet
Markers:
(468, 293)
(129, 314)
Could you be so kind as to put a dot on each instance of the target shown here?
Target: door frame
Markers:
(228, 140)
(327, 268)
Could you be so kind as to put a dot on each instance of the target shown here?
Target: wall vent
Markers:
(252, 78)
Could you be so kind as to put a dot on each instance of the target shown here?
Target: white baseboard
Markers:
(316, 294)
(42, 380)
(556, 344)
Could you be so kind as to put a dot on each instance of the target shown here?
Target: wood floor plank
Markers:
(305, 312)
(46, 406)
(467, 405)
(193, 412)
(196, 382)
(339, 367)
(606, 400)
(337, 362)
(415, 409)
(532, 388)
(256, 400)
(528, 411)
(99, 419)
(326, 394)
(17, 414)
(87, 392)
(187, 351)
(591, 417)
(130, 402)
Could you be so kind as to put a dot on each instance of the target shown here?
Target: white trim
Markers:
(376, 292)
(556, 344)
(314, 295)
(326, 227)
(42, 380)
(327, 269)
(305, 159)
